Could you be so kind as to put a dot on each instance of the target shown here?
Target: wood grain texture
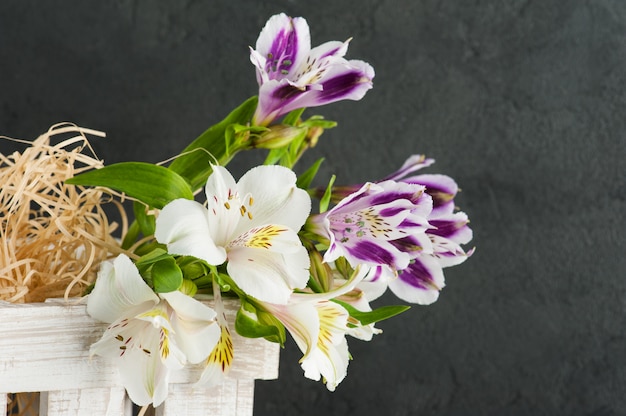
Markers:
(231, 398)
(85, 402)
(45, 347)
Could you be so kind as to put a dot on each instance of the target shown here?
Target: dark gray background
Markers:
(523, 102)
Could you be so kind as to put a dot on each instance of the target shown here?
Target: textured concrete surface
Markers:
(523, 102)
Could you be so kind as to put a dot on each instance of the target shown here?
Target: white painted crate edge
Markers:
(44, 347)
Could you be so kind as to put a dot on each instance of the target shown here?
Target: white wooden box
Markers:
(44, 347)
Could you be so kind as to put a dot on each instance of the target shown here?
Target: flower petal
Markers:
(420, 282)
(447, 252)
(267, 275)
(270, 196)
(171, 355)
(349, 81)
(376, 281)
(195, 329)
(133, 345)
(219, 361)
(330, 356)
(413, 163)
(283, 43)
(441, 188)
(301, 320)
(119, 291)
(145, 379)
(183, 225)
(223, 203)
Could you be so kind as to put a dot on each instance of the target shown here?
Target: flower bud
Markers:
(278, 136)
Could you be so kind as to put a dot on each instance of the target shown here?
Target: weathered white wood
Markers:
(231, 398)
(45, 348)
(3, 403)
(85, 402)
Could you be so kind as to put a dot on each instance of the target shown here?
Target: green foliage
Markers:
(304, 180)
(325, 200)
(160, 270)
(377, 315)
(257, 323)
(146, 223)
(151, 184)
(218, 144)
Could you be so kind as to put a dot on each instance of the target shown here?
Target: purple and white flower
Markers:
(380, 224)
(291, 75)
(407, 260)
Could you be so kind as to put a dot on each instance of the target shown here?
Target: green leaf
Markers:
(267, 319)
(166, 275)
(275, 155)
(189, 288)
(194, 164)
(131, 235)
(147, 223)
(377, 315)
(152, 184)
(304, 180)
(325, 201)
(319, 121)
(192, 267)
(293, 117)
(152, 257)
(249, 324)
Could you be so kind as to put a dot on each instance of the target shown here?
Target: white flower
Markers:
(149, 335)
(319, 327)
(253, 224)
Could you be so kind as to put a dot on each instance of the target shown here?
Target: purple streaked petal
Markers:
(342, 81)
(441, 188)
(314, 77)
(453, 227)
(410, 193)
(413, 163)
(328, 49)
(283, 43)
(391, 211)
(448, 253)
(376, 253)
(420, 282)
(416, 244)
(376, 282)
(357, 200)
(415, 224)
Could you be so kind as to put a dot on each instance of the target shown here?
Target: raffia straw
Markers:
(53, 236)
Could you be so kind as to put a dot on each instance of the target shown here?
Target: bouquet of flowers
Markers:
(299, 268)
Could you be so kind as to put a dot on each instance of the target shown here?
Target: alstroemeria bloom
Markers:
(319, 327)
(377, 225)
(149, 335)
(252, 224)
(291, 75)
(421, 281)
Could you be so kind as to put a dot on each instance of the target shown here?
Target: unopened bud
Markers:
(278, 136)
(313, 135)
(188, 287)
(321, 272)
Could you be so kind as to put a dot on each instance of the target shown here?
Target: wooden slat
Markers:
(85, 402)
(45, 347)
(231, 398)
(3, 403)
